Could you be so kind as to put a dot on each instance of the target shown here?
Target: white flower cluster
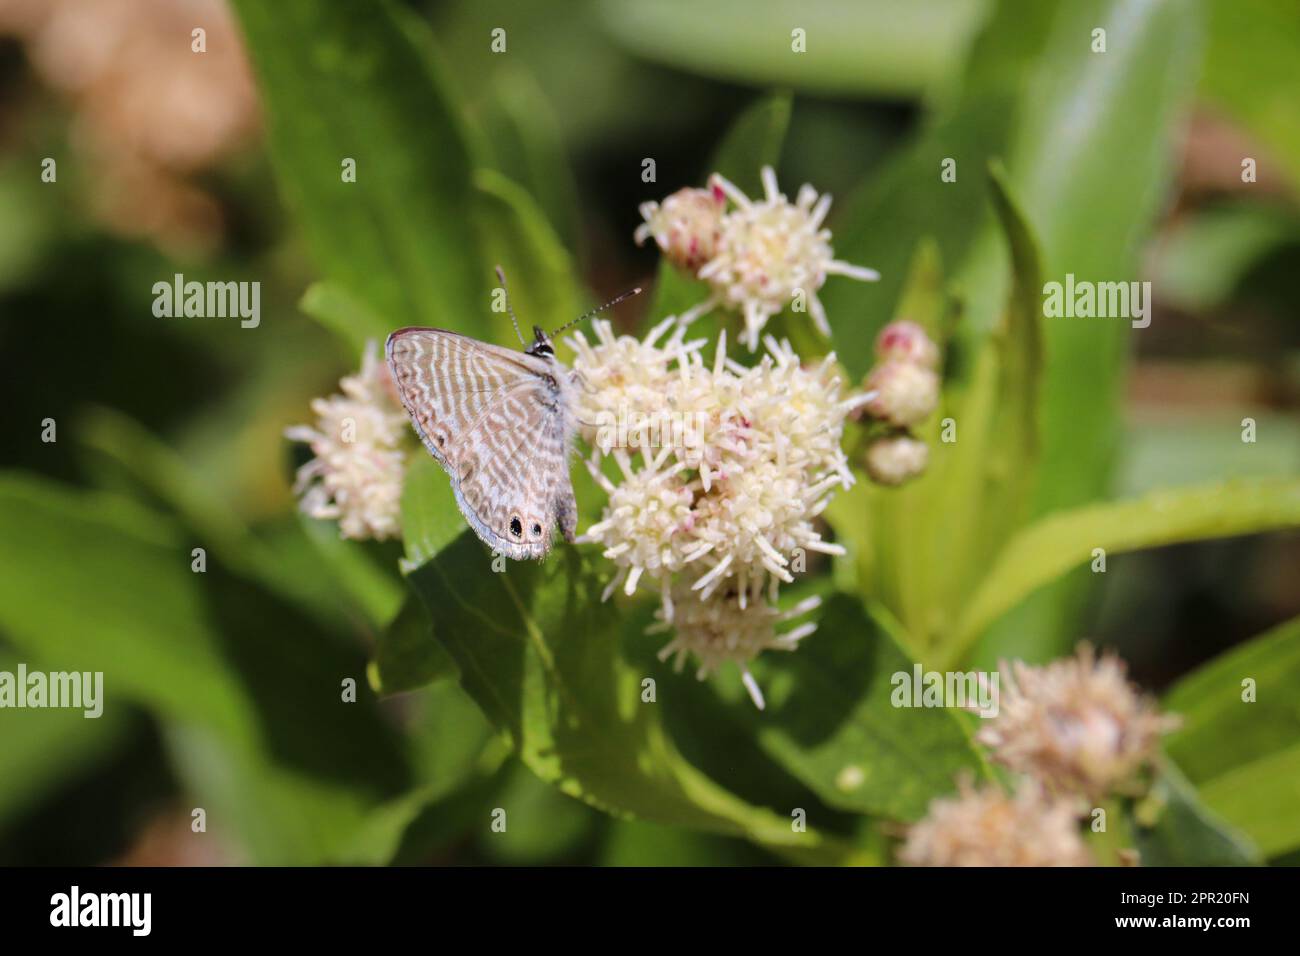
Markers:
(1075, 731)
(360, 441)
(758, 258)
(720, 520)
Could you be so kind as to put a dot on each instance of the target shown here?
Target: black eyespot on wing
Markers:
(537, 529)
(516, 526)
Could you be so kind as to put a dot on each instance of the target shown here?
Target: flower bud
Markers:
(986, 827)
(905, 393)
(686, 226)
(905, 341)
(1076, 724)
(894, 459)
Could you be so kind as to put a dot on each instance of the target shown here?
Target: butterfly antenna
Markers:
(501, 275)
(599, 309)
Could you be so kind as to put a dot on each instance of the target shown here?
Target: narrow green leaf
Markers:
(985, 481)
(515, 235)
(1172, 827)
(1133, 100)
(1263, 799)
(887, 529)
(924, 299)
(1240, 707)
(1055, 544)
(754, 140)
(346, 81)
(529, 148)
(869, 47)
(1137, 98)
(330, 304)
(1019, 342)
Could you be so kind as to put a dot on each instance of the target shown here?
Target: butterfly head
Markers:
(541, 343)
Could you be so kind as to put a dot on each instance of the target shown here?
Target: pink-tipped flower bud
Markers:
(905, 341)
(686, 226)
(905, 393)
(894, 459)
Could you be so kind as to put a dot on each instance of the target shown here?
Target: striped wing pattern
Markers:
(500, 422)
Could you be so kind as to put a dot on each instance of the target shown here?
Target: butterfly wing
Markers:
(499, 422)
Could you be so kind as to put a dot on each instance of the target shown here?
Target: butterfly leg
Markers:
(577, 378)
(566, 513)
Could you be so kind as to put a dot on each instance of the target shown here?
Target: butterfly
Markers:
(502, 423)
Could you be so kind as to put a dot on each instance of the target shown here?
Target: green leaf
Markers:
(957, 515)
(543, 826)
(455, 755)
(714, 725)
(1132, 101)
(882, 222)
(870, 47)
(924, 298)
(407, 656)
(537, 650)
(431, 519)
(983, 482)
(1172, 827)
(44, 749)
(831, 720)
(309, 566)
(1061, 541)
(1019, 343)
(95, 582)
(362, 572)
(885, 529)
(142, 624)
(1242, 753)
(754, 140)
(1186, 446)
(1263, 799)
(515, 235)
(1220, 731)
(330, 304)
(359, 81)
(1249, 76)
(529, 148)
